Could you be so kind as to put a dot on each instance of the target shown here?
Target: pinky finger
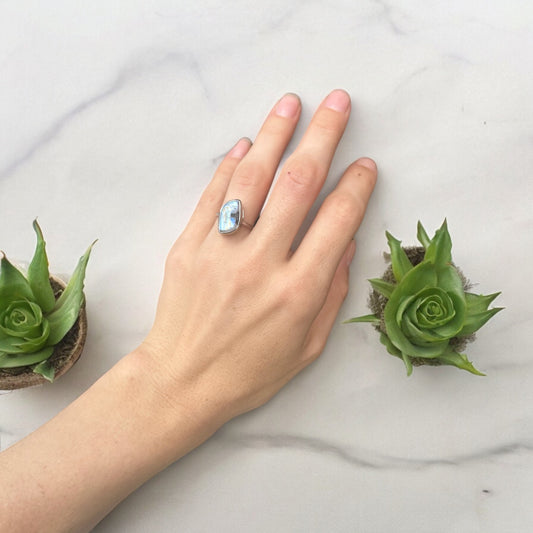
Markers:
(203, 217)
(322, 325)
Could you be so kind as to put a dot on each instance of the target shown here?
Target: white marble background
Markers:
(113, 116)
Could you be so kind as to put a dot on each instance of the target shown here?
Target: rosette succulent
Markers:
(422, 306)
(32, 320)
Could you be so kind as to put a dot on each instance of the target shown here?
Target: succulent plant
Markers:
(32, 321)
(422, 306)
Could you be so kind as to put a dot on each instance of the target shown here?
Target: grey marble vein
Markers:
(60, 123)
(126, 75)
(387, 14)
(369, 459)
(410, 77)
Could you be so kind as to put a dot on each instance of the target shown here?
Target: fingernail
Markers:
(241, 148)
(338, 100)
(367, 162)
(350, 252)
(288, 106)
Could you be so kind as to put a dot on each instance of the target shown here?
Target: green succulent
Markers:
(32, 321)
(422, 307)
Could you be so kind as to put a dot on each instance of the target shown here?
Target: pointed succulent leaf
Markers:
(477, 303)
(14, 361)
(449, 280)
(394, 351)
(408, 364)
(383, 287)
(13, 284)
(459, 360)
(422, 235)
(366, 318)
(390, 347)
(46, 370)
(474, 322)
(67, 306)
(38, 274)
(439, 250)
(400, 262)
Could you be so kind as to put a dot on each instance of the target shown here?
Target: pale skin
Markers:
(223, 341)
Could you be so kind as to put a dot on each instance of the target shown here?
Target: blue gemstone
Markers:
(230, 216)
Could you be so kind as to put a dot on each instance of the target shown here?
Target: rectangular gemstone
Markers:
(230, 216)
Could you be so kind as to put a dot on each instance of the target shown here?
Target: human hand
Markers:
(239, 315)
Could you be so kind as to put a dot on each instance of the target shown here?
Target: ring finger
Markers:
(253, 176)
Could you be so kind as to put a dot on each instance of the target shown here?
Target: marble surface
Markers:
(113, 115)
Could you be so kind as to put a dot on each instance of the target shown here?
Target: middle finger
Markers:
(304, 173)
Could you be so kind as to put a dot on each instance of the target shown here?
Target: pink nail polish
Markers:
(338, 100)
(288, 106)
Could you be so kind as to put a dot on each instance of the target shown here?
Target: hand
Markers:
(239, 315)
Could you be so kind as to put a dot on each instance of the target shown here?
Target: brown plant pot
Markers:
(66, 352)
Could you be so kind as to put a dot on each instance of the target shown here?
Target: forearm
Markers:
(75, 469)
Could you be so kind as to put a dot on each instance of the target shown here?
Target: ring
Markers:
(231, 217)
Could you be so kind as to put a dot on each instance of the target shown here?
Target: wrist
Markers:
(118, 434)
(171, 403)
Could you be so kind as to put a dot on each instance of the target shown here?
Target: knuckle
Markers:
(347, 208)
(227, 166)
(210, 198)
(301, 172)
(178, 257)
(328, 121)
(342, 207)
(275, 126)
(247, 176)
(244, 180)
